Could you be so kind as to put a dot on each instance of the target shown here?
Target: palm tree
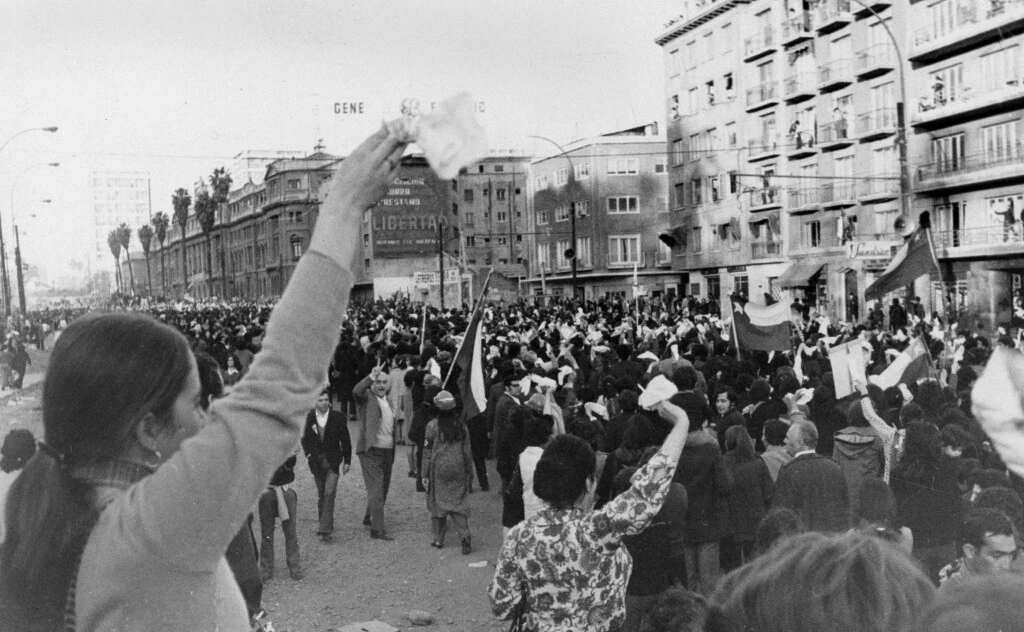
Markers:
(181, 200)
(160, 224)
(115, 249)
(145, 233)
(124, 235)
(220, 183)
(206, 215)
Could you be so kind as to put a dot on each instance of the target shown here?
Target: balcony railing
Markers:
(876, 123)
(971, 19)
(835, 74)
(833, 15)
(799, 87)
(762, 95)
(804, 198)
(943, 170)
(836, 133)
(765, 249)
(801, 144)
(940, 105)
(880, 186)
(875, 60)
(764, 198)
(762, 148)
(994, 235)
(758, 44)
(838, 193)
(797, 28)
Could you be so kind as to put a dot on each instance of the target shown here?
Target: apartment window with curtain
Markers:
(623, 249)
(1000, 68)
(560, 247)
(678, 152)
(1000, 142)
(542, 255)
(810, 234)
(584, 251)
(948, 153)
(696, 239)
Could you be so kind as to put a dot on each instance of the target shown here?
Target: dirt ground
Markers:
(356, 579)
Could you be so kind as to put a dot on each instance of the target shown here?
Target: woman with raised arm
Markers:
(121, 521)
(564, 568)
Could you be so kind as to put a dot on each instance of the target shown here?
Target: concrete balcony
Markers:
(995, 239)
(764, 199)
(759, 45)
(876, 124)
(797, 88)
(762, 96)
(874, 61)
(834, 75)
(838, 194)
(879, 187)
(974, 23)
(763, 148)
(827, 240)
(835, 134)
(801, 145)
(832, 15)
(760, 250)
(877, 6)
(797, 28)
(969, 104)
(970, 171)
(804, 199)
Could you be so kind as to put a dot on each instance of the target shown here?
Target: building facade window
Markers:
(1000, 68)
(624, 250)
(562, 213)
(810, 234)
(543, 217)
(582, 208)
(584, 251)
(467, 195)
(561, 261)
(499, 194)
(296, 243)
(581, 170)
(622, 166)
(678, 152)
(561, 176)
(543, 261)
(696, 192)
(948, 153)
(623, 204)
(501, 216)
(696, 239)
(1000, 142)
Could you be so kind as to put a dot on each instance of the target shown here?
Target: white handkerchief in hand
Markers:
(996, 403)
(657, 390)
(450, 137)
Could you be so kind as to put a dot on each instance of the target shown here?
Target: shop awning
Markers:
(799, 274)
(673, 237)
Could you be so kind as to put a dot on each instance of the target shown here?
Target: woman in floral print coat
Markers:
(564, 569)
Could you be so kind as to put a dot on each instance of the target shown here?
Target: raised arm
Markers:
(630, 512)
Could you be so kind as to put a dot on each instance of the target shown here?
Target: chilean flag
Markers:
(761, 327)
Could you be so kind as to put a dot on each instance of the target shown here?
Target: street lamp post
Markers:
(4, 276)
(572, 213)
(17, 241)
(17, 262)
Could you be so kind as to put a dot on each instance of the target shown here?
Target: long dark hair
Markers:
(739, 445)
(106, 373)
(922, 454)
(450, 428)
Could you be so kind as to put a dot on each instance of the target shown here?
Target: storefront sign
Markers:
(736, 269)
(423, 279)
(870, 249)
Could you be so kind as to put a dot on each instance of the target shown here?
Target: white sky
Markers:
(179, 88)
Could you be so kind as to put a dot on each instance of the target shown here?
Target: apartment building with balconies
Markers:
(490, 206)
(812, 168)
(967, 97)
(618, 185)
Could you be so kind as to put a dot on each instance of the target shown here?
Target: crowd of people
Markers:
(652, 475)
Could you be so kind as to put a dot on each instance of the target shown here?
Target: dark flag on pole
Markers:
(469, 359)
(914, 258)
(761, 327)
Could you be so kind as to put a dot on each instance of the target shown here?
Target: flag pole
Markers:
(735, 336)
(476, 307)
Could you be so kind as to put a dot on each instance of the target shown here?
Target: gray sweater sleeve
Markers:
(186, 513)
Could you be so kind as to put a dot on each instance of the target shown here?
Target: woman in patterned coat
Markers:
(564, 568)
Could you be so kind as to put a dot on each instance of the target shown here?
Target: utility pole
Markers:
(21, 277)
(440, 257)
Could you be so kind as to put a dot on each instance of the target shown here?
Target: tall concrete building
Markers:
(782, 142)
(619, 186)
(967, 89)
(490, 205)
(117, 197)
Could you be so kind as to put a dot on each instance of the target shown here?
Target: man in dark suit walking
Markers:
(812, 485)
(328, 450)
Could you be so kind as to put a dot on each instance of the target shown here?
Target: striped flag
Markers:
(913, 364)
(913, 259)
(471, 370)
(761, 327)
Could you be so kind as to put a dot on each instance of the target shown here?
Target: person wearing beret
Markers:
(448, 472)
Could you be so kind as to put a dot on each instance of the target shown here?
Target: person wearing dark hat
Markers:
(708, 482)
(19, 446)
(448, 472)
